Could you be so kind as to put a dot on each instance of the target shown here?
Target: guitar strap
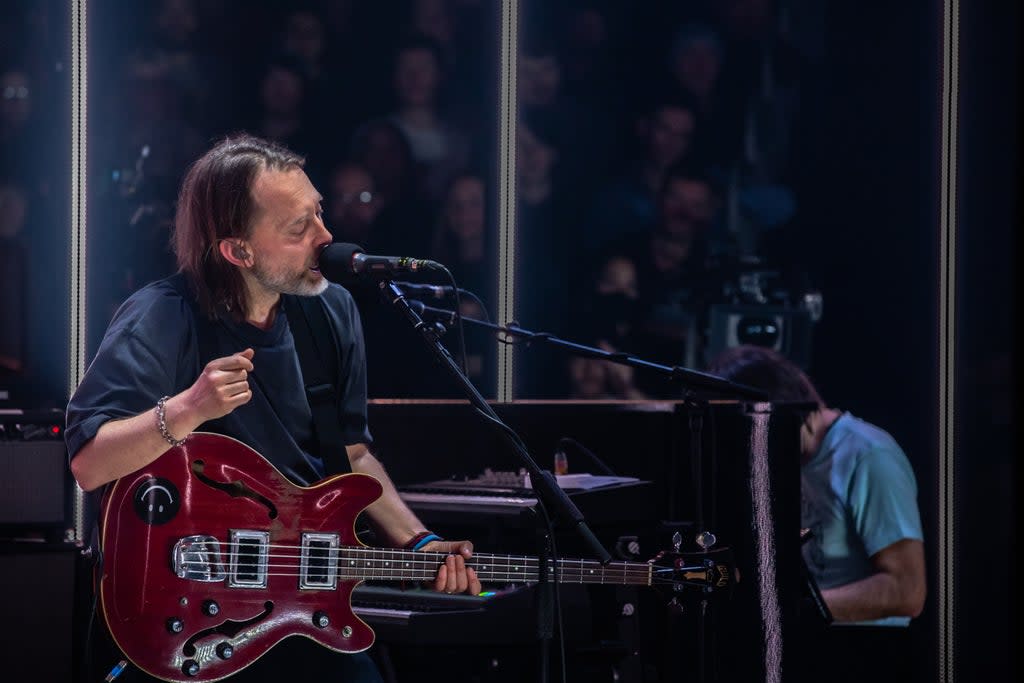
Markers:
(318, 358)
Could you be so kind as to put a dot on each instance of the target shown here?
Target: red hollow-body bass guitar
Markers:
(211, 557)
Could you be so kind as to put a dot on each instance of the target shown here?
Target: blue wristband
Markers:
(425, 540)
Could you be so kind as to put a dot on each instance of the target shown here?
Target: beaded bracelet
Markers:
(161, 423)
(421, 539)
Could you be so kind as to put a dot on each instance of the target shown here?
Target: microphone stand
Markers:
(692, 379)
(550, 495)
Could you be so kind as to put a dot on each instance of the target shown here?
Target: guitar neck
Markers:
(398, 565)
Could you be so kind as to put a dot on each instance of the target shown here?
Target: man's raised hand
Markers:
(222, 386)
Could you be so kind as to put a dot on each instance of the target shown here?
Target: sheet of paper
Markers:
(586, 481)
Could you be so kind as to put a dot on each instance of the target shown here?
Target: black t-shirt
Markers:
(157, 345)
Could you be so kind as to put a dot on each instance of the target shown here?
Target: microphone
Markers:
(431, 314)
(342, 261)
(421, 289)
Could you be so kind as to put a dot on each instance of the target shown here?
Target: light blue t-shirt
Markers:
(858, 496)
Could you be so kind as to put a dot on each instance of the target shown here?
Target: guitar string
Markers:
(432, 561)
(423, 557)
(341, 561)
(433, 567)
(418, 555)
(490, 565)
(428, 573)
(617, 580)
(436, 559)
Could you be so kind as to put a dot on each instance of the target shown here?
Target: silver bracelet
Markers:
(161, 423)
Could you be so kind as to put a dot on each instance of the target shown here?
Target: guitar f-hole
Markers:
(235, 489)
(228, 629)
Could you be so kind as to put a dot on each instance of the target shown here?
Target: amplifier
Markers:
(39, 583)
(35, 481)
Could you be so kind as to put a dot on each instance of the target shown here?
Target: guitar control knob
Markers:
(225, 650)
(706, 539)
(190, 667)
(211, 608)
(320, 619)
(175, 625)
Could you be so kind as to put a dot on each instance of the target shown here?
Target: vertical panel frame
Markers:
(947, 342)
(507, 196)
(78, 225)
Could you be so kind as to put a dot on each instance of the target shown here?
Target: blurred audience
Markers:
(403, 213)
(664, 135)
(596, 379)
(667, 268)
(353, 206)
(393, 104)
(461, 239)
(13, 284)
(438, 146)
(281, 106)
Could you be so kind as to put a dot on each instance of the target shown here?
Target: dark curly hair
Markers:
(765, 369)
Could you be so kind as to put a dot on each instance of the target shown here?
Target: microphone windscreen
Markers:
(335, 261)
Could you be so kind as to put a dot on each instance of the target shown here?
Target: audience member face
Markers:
(618, 277)
(15, 99)
(464, 208)
(668, 253)
(304, 36)
(13, 208)
(353, 204)
(150, 93)
(539, 80)
(686, 207)
(669, 136)
(696, 67)
(432, 18)
(417, 75)
(177, 22)
(588, 377)
(386, 157)
(746, 19)
(534, 158)
(282, 91)
(588, 28)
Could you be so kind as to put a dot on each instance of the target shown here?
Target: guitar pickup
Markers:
(197, 558)
(250, 551)
(319, 561)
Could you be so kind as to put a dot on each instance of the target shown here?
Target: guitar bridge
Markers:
(197, 558)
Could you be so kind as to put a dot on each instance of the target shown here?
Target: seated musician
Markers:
(859, 500)
(211, 349)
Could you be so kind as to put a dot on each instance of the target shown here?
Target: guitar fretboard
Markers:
(385, 564)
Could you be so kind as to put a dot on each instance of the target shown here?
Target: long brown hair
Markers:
(216, 203)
